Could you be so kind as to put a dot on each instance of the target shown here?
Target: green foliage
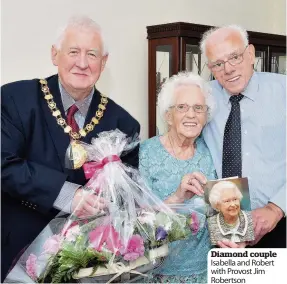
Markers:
(145, 230)
(70, 260)
(179, 230)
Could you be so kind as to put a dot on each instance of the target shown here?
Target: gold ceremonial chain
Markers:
(62, 122)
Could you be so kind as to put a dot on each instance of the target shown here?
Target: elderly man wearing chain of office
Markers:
(247, 136)
(39, 120)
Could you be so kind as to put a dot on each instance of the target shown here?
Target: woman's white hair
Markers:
(166, 97)
(215, 194)
(80, 22)
(230, 28)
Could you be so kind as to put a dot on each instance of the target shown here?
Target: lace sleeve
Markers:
(144, 164)
(210, 172)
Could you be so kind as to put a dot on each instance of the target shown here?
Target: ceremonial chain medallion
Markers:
(78, 153)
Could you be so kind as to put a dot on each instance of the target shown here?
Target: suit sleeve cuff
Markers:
(64, 200)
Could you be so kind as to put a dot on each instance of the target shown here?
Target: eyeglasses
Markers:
(233, 60)
(185, 108)
(229, 201)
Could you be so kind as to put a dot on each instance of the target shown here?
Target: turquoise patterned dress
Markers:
(187, 262)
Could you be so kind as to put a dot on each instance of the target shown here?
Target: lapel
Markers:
(60, 139)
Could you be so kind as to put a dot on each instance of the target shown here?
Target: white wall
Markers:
(28, 29)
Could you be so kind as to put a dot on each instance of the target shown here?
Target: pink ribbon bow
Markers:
(91, 168)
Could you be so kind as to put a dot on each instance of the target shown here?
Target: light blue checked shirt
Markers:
(263, 128)
(64, 200)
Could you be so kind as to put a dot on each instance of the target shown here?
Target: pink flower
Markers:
(135, 248)
(52, 244)
(105, 236)
(131, 256)
(31, 266)
(194, 223)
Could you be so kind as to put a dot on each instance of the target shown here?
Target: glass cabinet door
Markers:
(278, 60)
(259, 64)
(193, 60)
(261, 58)
(163, 72)
(163, 63)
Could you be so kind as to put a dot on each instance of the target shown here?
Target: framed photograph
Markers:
(228, 210)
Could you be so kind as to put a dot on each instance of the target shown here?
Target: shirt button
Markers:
(245, 132)
(242, 110)
(247, 153)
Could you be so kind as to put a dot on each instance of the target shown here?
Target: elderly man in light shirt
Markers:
(257, 120)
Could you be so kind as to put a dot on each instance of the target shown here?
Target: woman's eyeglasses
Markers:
(185, 108)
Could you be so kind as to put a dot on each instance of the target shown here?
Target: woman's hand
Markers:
(190, 185)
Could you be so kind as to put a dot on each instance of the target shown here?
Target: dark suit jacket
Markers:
(33, 151)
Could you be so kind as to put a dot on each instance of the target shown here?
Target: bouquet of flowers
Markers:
(123, 241)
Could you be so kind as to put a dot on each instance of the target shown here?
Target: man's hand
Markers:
(265, 220)
(230, 244)
(86, 204)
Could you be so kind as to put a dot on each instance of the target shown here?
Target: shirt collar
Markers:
(68, 101)
(249, 92)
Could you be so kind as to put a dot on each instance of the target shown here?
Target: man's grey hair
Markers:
(166, 97)
(230, 28)
(215, 194)
(81, 21)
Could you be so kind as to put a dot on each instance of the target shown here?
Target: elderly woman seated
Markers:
(177, 164)
(231, 222)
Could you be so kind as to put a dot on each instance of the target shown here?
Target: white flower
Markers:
(73, 233)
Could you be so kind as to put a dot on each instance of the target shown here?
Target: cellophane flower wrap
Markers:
(122, 242)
